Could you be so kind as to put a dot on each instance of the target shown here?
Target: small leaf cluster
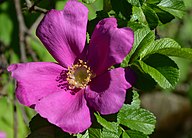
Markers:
(150, 58)
(150, 55)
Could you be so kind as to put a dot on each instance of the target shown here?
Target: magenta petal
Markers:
(67, 111)
(109, 45)
(2, 134)
(107, 92)
(64, 32)
(35, 80)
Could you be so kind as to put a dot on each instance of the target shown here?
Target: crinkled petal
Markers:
(109, 45)
(64, 32)
(67, 111)
(107, 92)
(35, 80)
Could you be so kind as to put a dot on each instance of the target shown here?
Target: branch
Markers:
(33, 7)
(22, 30)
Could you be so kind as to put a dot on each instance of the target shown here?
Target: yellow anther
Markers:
(79, 75)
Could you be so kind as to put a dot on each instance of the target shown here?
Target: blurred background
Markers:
(18, 43)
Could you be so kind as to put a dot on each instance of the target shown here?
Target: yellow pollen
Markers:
(79, 75)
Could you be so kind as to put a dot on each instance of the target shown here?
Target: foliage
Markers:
(150, 59)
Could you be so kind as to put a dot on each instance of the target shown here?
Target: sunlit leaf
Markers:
(159, 45)
(137, 119)
(175, 7)
(162, 69)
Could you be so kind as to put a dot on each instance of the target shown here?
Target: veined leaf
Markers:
(112, 126)
(137, 119)
(175, 7)
(151, 16)
(137, 14)
(159, 45)
(136, 2)
(139, 36)
(109, 134)
(135, 134)
(136, 101)
(177, 52)
(146, 41)
(162, 69)
(94, 132)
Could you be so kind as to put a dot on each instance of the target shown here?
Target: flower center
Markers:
(79, 75)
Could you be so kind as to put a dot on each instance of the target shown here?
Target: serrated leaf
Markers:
(160, 45)
(137, 119)
(151, 16)
(136, 101)
(163, 16)
(112, 126)
(137, 14)
(177, 52)
(88, 1)
(146, 41)
(162, 69)
(94, 132)
(135, 134)
(175, 7)
(136, 2)
(86, 135)
(139, 36)
(109, 134)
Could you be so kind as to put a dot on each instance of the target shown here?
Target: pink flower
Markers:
(2, 135)
(67, 92)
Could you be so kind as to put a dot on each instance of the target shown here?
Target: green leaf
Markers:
(94, 132)
(139, 39)
(162, 69)
(125, 135)
(150, 16)
(137, 14)
(163, 16)
(160, 45)
(177, 52)
(136, 2)
(136, 101)
(137, 119)
(146, 41)
(123, 10)
(135, 134)
(86, 135)
(88, 1)
(111, 126)
(143, 77)
(175, 7)
(153, 1)
(109, 134)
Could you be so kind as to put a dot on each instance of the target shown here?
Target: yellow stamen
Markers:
(79, 75)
